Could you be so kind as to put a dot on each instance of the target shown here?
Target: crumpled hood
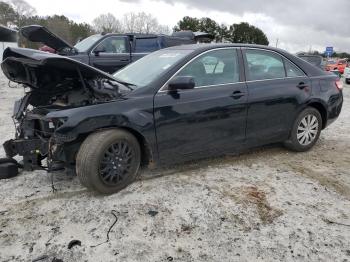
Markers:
(37, 69)
(40, 34)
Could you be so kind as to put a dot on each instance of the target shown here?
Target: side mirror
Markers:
(99, 49)
(180, 83)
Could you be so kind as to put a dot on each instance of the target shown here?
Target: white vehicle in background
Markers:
(347, 74)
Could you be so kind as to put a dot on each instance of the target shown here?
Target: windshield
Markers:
(86, 43)
(147, 69)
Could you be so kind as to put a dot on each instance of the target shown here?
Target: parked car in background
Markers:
(315, 60)
(177, 104)
(109, 52)
(347, 74)
(339, 65)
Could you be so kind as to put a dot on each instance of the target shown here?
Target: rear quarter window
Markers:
(292, 70)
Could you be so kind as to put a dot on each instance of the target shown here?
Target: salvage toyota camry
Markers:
(174, 105)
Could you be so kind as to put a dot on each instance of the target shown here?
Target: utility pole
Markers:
(277, 42)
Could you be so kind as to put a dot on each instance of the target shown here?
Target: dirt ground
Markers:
(265, 205)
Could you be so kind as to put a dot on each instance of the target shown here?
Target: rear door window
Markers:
(263, 65)
(146, 45)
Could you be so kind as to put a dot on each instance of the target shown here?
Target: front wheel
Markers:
(306, 130)
(108, 160)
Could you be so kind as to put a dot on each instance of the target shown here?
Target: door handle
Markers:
(302, 85)
(237, 94)
(124, 60)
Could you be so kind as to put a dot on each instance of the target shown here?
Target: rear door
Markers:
(277, 90)
(115, 55)
(206, 120)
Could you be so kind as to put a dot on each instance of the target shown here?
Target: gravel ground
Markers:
(265, 205)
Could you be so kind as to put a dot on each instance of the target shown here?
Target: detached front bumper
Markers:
(32, 150)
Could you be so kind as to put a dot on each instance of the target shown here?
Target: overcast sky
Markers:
(298, 24)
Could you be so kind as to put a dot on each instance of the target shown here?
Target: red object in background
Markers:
(48, 49)
(339, 84)
(338, 65)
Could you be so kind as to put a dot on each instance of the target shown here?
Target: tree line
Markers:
(18, 13)
(235, 33)
(334, 55)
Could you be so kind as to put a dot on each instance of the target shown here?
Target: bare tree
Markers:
(163, 29)
(129, 22)
(22, 8)
(142, 23)
(8, 15)
(146, 23)
(107, 23)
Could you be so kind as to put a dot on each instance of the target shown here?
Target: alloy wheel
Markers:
(307, 129)
(116, 163)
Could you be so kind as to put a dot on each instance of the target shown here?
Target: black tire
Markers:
(8, 160)
(100, 150)
(347, 81)
(8, 168)
(296, 144)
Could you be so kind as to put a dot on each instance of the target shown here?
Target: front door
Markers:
(115, 54)
(206, 120)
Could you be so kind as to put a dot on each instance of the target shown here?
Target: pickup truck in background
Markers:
(111, 52)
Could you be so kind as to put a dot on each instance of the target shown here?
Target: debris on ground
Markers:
(266, 204)
(74, 243)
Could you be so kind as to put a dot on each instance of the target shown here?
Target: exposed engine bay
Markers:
(51, 83)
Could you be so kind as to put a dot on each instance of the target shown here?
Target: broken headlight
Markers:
(55, 123)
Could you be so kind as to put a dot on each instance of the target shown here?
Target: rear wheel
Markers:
(108, 160)
(306, 130)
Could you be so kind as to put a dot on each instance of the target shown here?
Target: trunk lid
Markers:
(40, 34)
(39, 69)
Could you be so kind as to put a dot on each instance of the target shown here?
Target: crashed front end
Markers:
(52, 84)
(36, 139)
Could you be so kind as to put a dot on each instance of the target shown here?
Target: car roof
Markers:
(137, 35)
(216, 45)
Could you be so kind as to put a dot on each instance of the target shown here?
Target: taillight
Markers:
(339, 84)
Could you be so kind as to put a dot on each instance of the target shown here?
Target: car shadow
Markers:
(246, 156)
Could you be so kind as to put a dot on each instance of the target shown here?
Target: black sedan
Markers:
(174, 105)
